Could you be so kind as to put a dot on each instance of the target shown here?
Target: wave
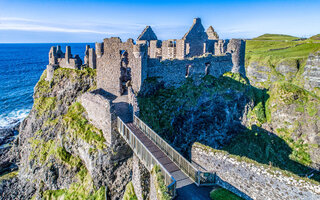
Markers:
(9, 120)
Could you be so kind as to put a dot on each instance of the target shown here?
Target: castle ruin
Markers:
(127, 64)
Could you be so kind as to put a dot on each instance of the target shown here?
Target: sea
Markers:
(21, 66)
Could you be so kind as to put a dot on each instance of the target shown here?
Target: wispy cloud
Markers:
(22, 24)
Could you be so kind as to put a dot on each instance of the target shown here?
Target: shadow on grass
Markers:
(171, 113)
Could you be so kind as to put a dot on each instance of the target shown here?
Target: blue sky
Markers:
(91, 21)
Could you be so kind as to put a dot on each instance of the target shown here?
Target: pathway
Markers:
(186, 189)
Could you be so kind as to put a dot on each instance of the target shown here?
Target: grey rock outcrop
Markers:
(52, 156)
(311, 72)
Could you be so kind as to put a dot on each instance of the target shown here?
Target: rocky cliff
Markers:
(211, 110)
(60, 153)
(275, 124)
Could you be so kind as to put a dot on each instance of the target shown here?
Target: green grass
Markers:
(270, 167)
(275, 37)
(315, 37)
(223, 194)
(161, 188)
(129, 194)
(83, 189)
(44, 105)
(42, 150)
(272, 53)
(8, 176)
(160, 108)
(80, 127)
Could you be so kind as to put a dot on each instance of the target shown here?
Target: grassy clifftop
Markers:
(315, 37)
(281, 37)
(55, 124)
(272, 49)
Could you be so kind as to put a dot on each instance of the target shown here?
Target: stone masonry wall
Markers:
(252, 180)
(174, 72)
(140, 179)
(311, 72)
(110, 62)
(108, 65)
(153, 190)
(237, 48)
(100, 111)
(64, 60)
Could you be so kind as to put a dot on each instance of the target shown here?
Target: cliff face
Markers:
(311, 73)
(289, 70)
(210, 110)
(292, 108)
(293, 113)
(277, 125)
(61, 152)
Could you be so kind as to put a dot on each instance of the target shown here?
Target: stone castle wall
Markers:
(123, 64)
(64, 60)
(101, 111)
(174, 72)
(108, 65)
(117, 55)
(140, 179)
(252, 180)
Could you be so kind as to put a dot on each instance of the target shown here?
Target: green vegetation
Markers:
(281, 150)
(74, 75)
(44, 104)
(223, 194)
(8, 176)
(272, 169)
(159, 109)
(42, 150)
(80, 127)
(315, 37)
(129, 194)
(271, 50)
(161, 188)
(275, 37)
(81, 190)
(43, 86)
(290, 94)
(284, 94)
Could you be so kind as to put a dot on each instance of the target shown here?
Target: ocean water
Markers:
(21, 66)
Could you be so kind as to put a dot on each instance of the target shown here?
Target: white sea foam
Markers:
(13, 118)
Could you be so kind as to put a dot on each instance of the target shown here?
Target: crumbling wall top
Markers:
(147, 34)
(196, 31)
(212, 35)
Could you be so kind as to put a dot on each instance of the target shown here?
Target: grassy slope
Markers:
(274, 49)
(76, 124)
(315, 37)
(275, 37)
(254, 143)
(129, 194)
(223, 194)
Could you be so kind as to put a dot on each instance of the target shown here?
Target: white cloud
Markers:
(22, 24)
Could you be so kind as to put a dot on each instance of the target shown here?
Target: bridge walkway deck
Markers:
(186, 188)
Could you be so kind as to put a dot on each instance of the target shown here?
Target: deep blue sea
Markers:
(21, 66)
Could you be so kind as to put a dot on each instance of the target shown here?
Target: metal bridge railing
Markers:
(145, 155)
(175, 156)
(200, 178)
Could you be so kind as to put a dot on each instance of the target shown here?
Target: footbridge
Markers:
(182, 178)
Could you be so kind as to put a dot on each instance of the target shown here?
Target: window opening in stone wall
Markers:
(125, 72)
(188, 67)
(207, 69)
